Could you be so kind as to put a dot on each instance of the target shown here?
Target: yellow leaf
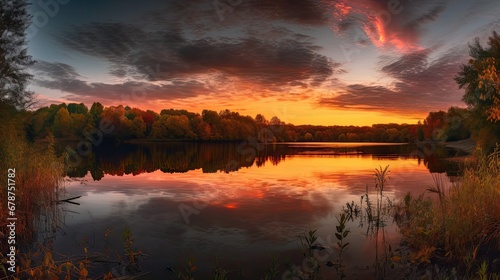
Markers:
(396, 258)
(84, 272)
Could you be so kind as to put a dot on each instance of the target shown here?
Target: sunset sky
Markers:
(305, 61)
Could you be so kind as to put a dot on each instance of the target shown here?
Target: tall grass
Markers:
(38, 174)
(461, 228)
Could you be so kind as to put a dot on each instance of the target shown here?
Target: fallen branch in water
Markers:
(69, 200)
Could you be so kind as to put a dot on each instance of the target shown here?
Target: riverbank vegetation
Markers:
(35, 188)
(460, 228)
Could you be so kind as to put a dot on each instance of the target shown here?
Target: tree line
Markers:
(75, 120)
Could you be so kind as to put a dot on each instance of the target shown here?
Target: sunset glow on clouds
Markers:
(310, 61)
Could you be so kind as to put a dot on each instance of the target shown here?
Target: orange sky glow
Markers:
(317, 62)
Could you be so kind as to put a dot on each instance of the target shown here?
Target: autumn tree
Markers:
(481, 80)
(39, 122)
(159, 128)
(177, 126)
(78, 124)
(149, 117)
(261, 120)
(138, 127)
(62, 123)
(203, 129)
(433, 123)
(308, 137)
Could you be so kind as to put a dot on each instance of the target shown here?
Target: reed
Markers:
(461, 229)
(38, 177)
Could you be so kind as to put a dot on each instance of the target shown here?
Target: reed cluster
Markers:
(462, 227)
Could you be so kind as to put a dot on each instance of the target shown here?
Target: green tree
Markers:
(75, 108)
(455, 127)
(96, 112)
(14, 58)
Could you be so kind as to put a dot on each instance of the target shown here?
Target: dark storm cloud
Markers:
(305, 12)
(195, 13)
(165, 55)
(421, 85)
(60, 76)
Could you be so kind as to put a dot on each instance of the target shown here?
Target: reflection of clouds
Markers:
(263, 218)
(251, 213)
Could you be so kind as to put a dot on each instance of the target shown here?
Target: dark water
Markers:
(241, 204)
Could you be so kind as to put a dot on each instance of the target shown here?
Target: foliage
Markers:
(341, 234)
(73, 120)
(38, 171)
(480, 78)
(62, 123)
(481, 81)
(14, 58)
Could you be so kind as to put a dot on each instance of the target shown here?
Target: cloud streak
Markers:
(63, 77)
(420, 85)
(390, 24)
(265, 61)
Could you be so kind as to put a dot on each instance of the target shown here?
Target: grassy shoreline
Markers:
(461, 229)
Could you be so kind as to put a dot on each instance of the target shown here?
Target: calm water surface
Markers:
(241, 204)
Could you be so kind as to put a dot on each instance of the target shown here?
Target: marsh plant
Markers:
(341, 246)
(461, 230)
(42, 262)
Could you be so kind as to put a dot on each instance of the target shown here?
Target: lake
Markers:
(241, 203)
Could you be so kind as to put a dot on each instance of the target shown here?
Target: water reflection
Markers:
(178, 205)
(229, 157)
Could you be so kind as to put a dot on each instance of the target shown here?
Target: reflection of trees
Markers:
(177, 157)
(171, 158)
(437, 160)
